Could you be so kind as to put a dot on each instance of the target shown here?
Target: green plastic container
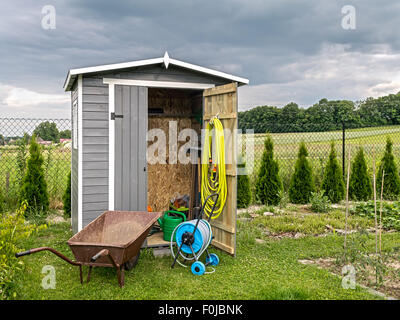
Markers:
(169, 222)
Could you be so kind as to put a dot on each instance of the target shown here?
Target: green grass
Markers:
(311, 224)
(260, 271)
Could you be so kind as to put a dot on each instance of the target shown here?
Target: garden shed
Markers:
(115, 106)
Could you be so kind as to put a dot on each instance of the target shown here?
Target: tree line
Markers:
(46, 130)
(325, 115)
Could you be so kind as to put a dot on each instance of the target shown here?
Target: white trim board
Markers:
(80, 152)
(111, 144)
(158, 84)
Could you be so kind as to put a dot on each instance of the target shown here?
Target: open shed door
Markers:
(222, 101)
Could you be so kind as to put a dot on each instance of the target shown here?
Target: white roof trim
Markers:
(166, 60)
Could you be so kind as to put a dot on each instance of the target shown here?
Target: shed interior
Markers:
(170, 180)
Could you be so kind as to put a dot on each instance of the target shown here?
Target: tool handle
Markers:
(101, 253)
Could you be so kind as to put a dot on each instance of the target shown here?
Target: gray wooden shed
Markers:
(114, 106)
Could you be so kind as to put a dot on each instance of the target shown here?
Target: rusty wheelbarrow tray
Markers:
(113, 239)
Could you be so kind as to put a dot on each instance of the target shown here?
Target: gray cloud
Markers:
(290, 50)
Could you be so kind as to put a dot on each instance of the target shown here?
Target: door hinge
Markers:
(113, 115)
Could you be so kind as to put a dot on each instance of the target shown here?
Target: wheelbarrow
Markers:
(113, 240)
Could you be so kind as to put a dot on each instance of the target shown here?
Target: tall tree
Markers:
(302, 182)
(333, 184)
(360, 187)
(34, 186)
(268, 184)
(391, 182)
(66, 134)
(67, 198)
(243, 187)
(47, 131)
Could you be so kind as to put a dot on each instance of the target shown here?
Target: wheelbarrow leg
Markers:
(120, 269)
(80, 274)
(121, 276)
(89, 273)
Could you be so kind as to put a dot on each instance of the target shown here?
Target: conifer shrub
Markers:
(391, 182)
(268, 184)
(67, 198)
(302, 182)
(333, 184)
(243, 187)
(34, 187)
(360, 187)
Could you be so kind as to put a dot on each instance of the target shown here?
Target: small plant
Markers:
(34, 186)
(22, 153)
(243, 187)
(390, 213)
(333, 183)
(391, 187)
(368, 266)
(360, 187)
(283, 199)
(268, 184)
(302, 182)
(67, 198)
(320, 202)
(12, 229)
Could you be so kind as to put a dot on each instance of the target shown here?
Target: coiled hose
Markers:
(202, 236)
(213, 175)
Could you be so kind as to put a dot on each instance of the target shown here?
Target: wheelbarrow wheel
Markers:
(129, 265)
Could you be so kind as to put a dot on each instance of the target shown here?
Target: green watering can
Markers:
(169, 222)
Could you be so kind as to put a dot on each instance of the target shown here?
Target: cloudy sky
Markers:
(291, 50)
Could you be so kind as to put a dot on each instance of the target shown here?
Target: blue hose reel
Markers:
(192, 240)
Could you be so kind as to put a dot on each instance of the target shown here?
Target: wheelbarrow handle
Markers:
(23, 253)
(27, 252)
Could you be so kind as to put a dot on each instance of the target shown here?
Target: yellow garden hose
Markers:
(213, 176)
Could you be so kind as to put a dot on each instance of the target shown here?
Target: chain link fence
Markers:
(286, 145)
(55, 137)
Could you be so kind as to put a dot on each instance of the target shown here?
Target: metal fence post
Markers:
(343, 148)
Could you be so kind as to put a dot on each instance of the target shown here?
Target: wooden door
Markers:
(222, 101)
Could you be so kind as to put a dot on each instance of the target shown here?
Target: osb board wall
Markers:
(166, 181)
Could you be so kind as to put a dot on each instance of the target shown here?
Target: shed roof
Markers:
(165, 60)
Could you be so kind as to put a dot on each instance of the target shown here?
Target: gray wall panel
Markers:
(95, 149)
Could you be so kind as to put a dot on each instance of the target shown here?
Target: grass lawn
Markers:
(266, 268)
